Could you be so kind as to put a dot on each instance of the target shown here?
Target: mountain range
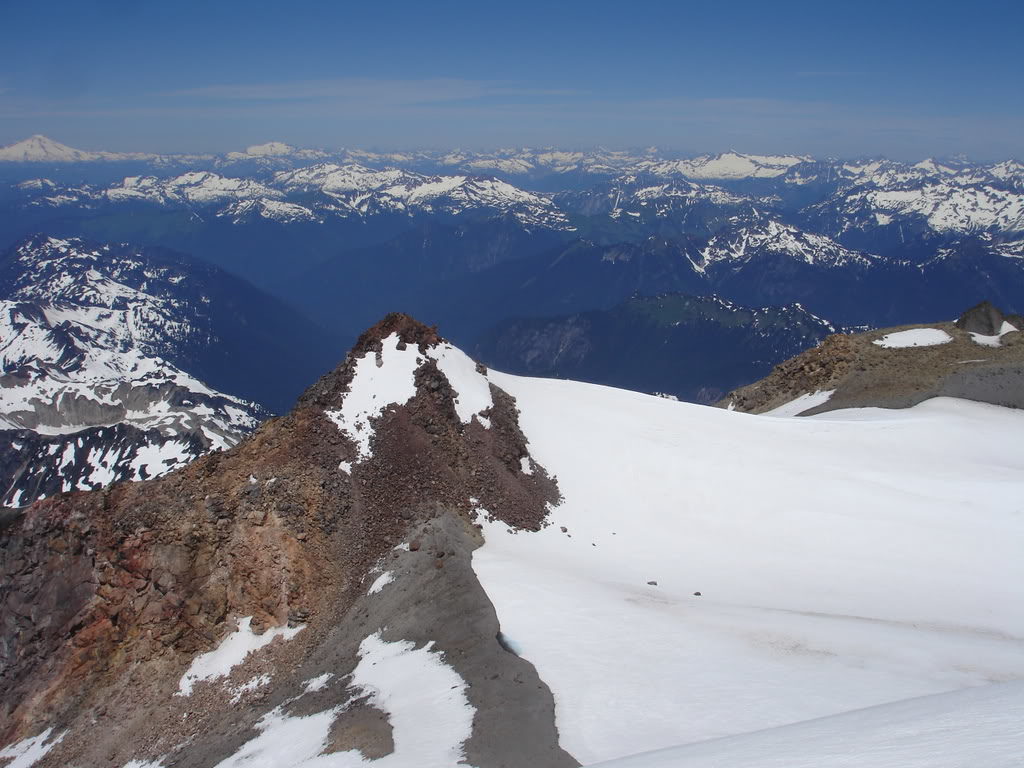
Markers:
(204, 291)
(858, 242)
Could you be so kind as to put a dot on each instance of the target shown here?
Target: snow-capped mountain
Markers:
(312, 194)
(646, 202)
(857, 241)
(764, 237)
(356, 190)
(40, 149)
(948, 206)
(729, 166)
(430, 563)
(89, 394)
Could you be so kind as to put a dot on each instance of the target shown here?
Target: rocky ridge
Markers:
(108, 596)
(980, 356)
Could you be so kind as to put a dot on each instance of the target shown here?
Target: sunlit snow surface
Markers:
(915, 337)
(975, 728)
(843, 561)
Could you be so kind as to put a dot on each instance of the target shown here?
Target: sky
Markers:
(902, 78)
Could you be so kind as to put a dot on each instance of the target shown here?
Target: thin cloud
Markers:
(365, 92)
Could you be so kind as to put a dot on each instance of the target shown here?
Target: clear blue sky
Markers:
(905, 79)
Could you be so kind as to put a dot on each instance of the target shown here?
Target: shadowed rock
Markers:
(982, 318)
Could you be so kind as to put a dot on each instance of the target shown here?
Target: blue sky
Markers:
(904, 79)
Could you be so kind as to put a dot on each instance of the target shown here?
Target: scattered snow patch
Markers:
(374, 388)
(996, 340)
(915, 337)
(424, 699)
(232, 651)
(382, 581)
(474, 392)
(250, 685)
(317, 683)
(30, 751)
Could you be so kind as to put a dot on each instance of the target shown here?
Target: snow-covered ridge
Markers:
(725, 166)
(771, 237)
(87, 339)
(357, 190)
(314, 194)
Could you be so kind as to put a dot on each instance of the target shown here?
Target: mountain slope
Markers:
(693, 348)
(710, 573)
(325, 530)
(727, 572)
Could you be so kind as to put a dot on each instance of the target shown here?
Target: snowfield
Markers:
(915, 337)
(842, 561)
(970, 728)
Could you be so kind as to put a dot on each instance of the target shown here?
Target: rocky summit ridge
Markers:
(979, 356)
(109, 597)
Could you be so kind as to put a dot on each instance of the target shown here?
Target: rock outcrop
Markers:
(891, 368)
(107, 597)
(982, 318)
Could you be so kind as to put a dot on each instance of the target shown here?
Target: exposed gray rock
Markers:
(982, 318)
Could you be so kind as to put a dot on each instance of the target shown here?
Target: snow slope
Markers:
(964, 729)
(843, 561)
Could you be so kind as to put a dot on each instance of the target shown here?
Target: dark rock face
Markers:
(105, 596)
(982, 318)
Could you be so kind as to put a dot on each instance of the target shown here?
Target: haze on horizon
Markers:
(905, 80)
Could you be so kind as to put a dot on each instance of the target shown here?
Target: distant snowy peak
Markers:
(273, 154)
(65, 368)
(726, 166)
(643, 198)
(945, 205)
(746, 243)
(364, 191)
(269, 210)
(270, 149)
(314, 194)
(202, 187)
(40, 149)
